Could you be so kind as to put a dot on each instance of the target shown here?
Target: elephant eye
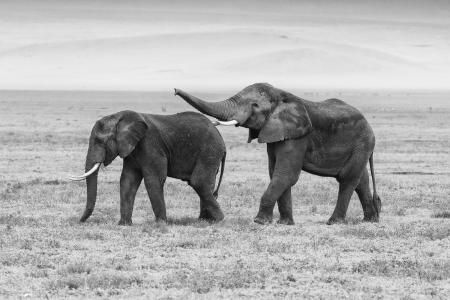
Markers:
(255, 105)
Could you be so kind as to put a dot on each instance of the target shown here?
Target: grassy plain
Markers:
(45, 252)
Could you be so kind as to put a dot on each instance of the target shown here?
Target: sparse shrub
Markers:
(94, 236)
(157, 228)
(71, 282)
(400, 211)
(428, 270)
(274, 247)
(75, 268)
(113, 280)
(17, 220)
(353, 221)
(53, 244)
(26, 245)
(53, 182)
(185, 244)
(442, 214)
(233, 277)
(406, 231)
(336, 279)
(97, 281)
(39, 273)
(12, 188)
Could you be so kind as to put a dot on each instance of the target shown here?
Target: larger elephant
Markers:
(328, 138)
(186, 146)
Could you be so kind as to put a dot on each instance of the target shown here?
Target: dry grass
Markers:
(45, 252)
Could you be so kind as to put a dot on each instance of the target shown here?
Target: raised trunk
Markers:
(96, 154)
(223, 110)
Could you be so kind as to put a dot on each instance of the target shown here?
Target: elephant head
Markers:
(270, 114)
(113, 135)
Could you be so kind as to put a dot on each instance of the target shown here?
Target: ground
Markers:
(46, 252)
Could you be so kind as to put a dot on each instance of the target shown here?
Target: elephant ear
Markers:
(130, 130)
(289, 120)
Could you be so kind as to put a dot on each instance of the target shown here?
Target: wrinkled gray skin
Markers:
(185, 146)
(328, 138)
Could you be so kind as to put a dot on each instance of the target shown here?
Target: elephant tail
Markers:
(376, 198)
(222, 168)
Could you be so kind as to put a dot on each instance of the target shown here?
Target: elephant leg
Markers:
(349, 179)
(203, 182)
(365, 196)
(288, 164)
(209, 207)
(129, 184)
(346, 190)
(285, 208)
(285, 201)
(155, 190)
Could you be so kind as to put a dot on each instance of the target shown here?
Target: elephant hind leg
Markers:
(369, 204)
(349, 179)
(203, 182)
(346, 189)
(209, 207)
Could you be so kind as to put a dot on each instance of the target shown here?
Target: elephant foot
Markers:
(211, 215)
(125, 222)
(263, 220)
(373, 219)
(161, 220)
(285, 221)
(209, 220)
(336, 220)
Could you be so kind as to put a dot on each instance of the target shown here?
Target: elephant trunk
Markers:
(91, 191)
(96, 155)
(223, 110)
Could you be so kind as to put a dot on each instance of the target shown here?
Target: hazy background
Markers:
(217, 45)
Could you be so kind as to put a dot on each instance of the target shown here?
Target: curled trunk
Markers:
(222, 110)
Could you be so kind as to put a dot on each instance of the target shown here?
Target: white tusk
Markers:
(85, 175)
(227, 123)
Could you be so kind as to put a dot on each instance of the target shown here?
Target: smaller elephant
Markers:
(186, 146)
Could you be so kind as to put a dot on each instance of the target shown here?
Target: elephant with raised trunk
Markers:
(328, 138)
(186, 146)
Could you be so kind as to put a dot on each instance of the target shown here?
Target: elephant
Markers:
(328, 138)
(185, 146)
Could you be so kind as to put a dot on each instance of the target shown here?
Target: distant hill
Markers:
(157, 45)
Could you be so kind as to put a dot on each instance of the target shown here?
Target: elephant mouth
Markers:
(87, 174)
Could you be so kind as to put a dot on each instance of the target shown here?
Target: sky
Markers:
(218, 45)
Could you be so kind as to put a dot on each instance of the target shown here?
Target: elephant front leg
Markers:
(155, 191)
(277, 186)
(288, 157)
(129, 184)
(285, 208)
